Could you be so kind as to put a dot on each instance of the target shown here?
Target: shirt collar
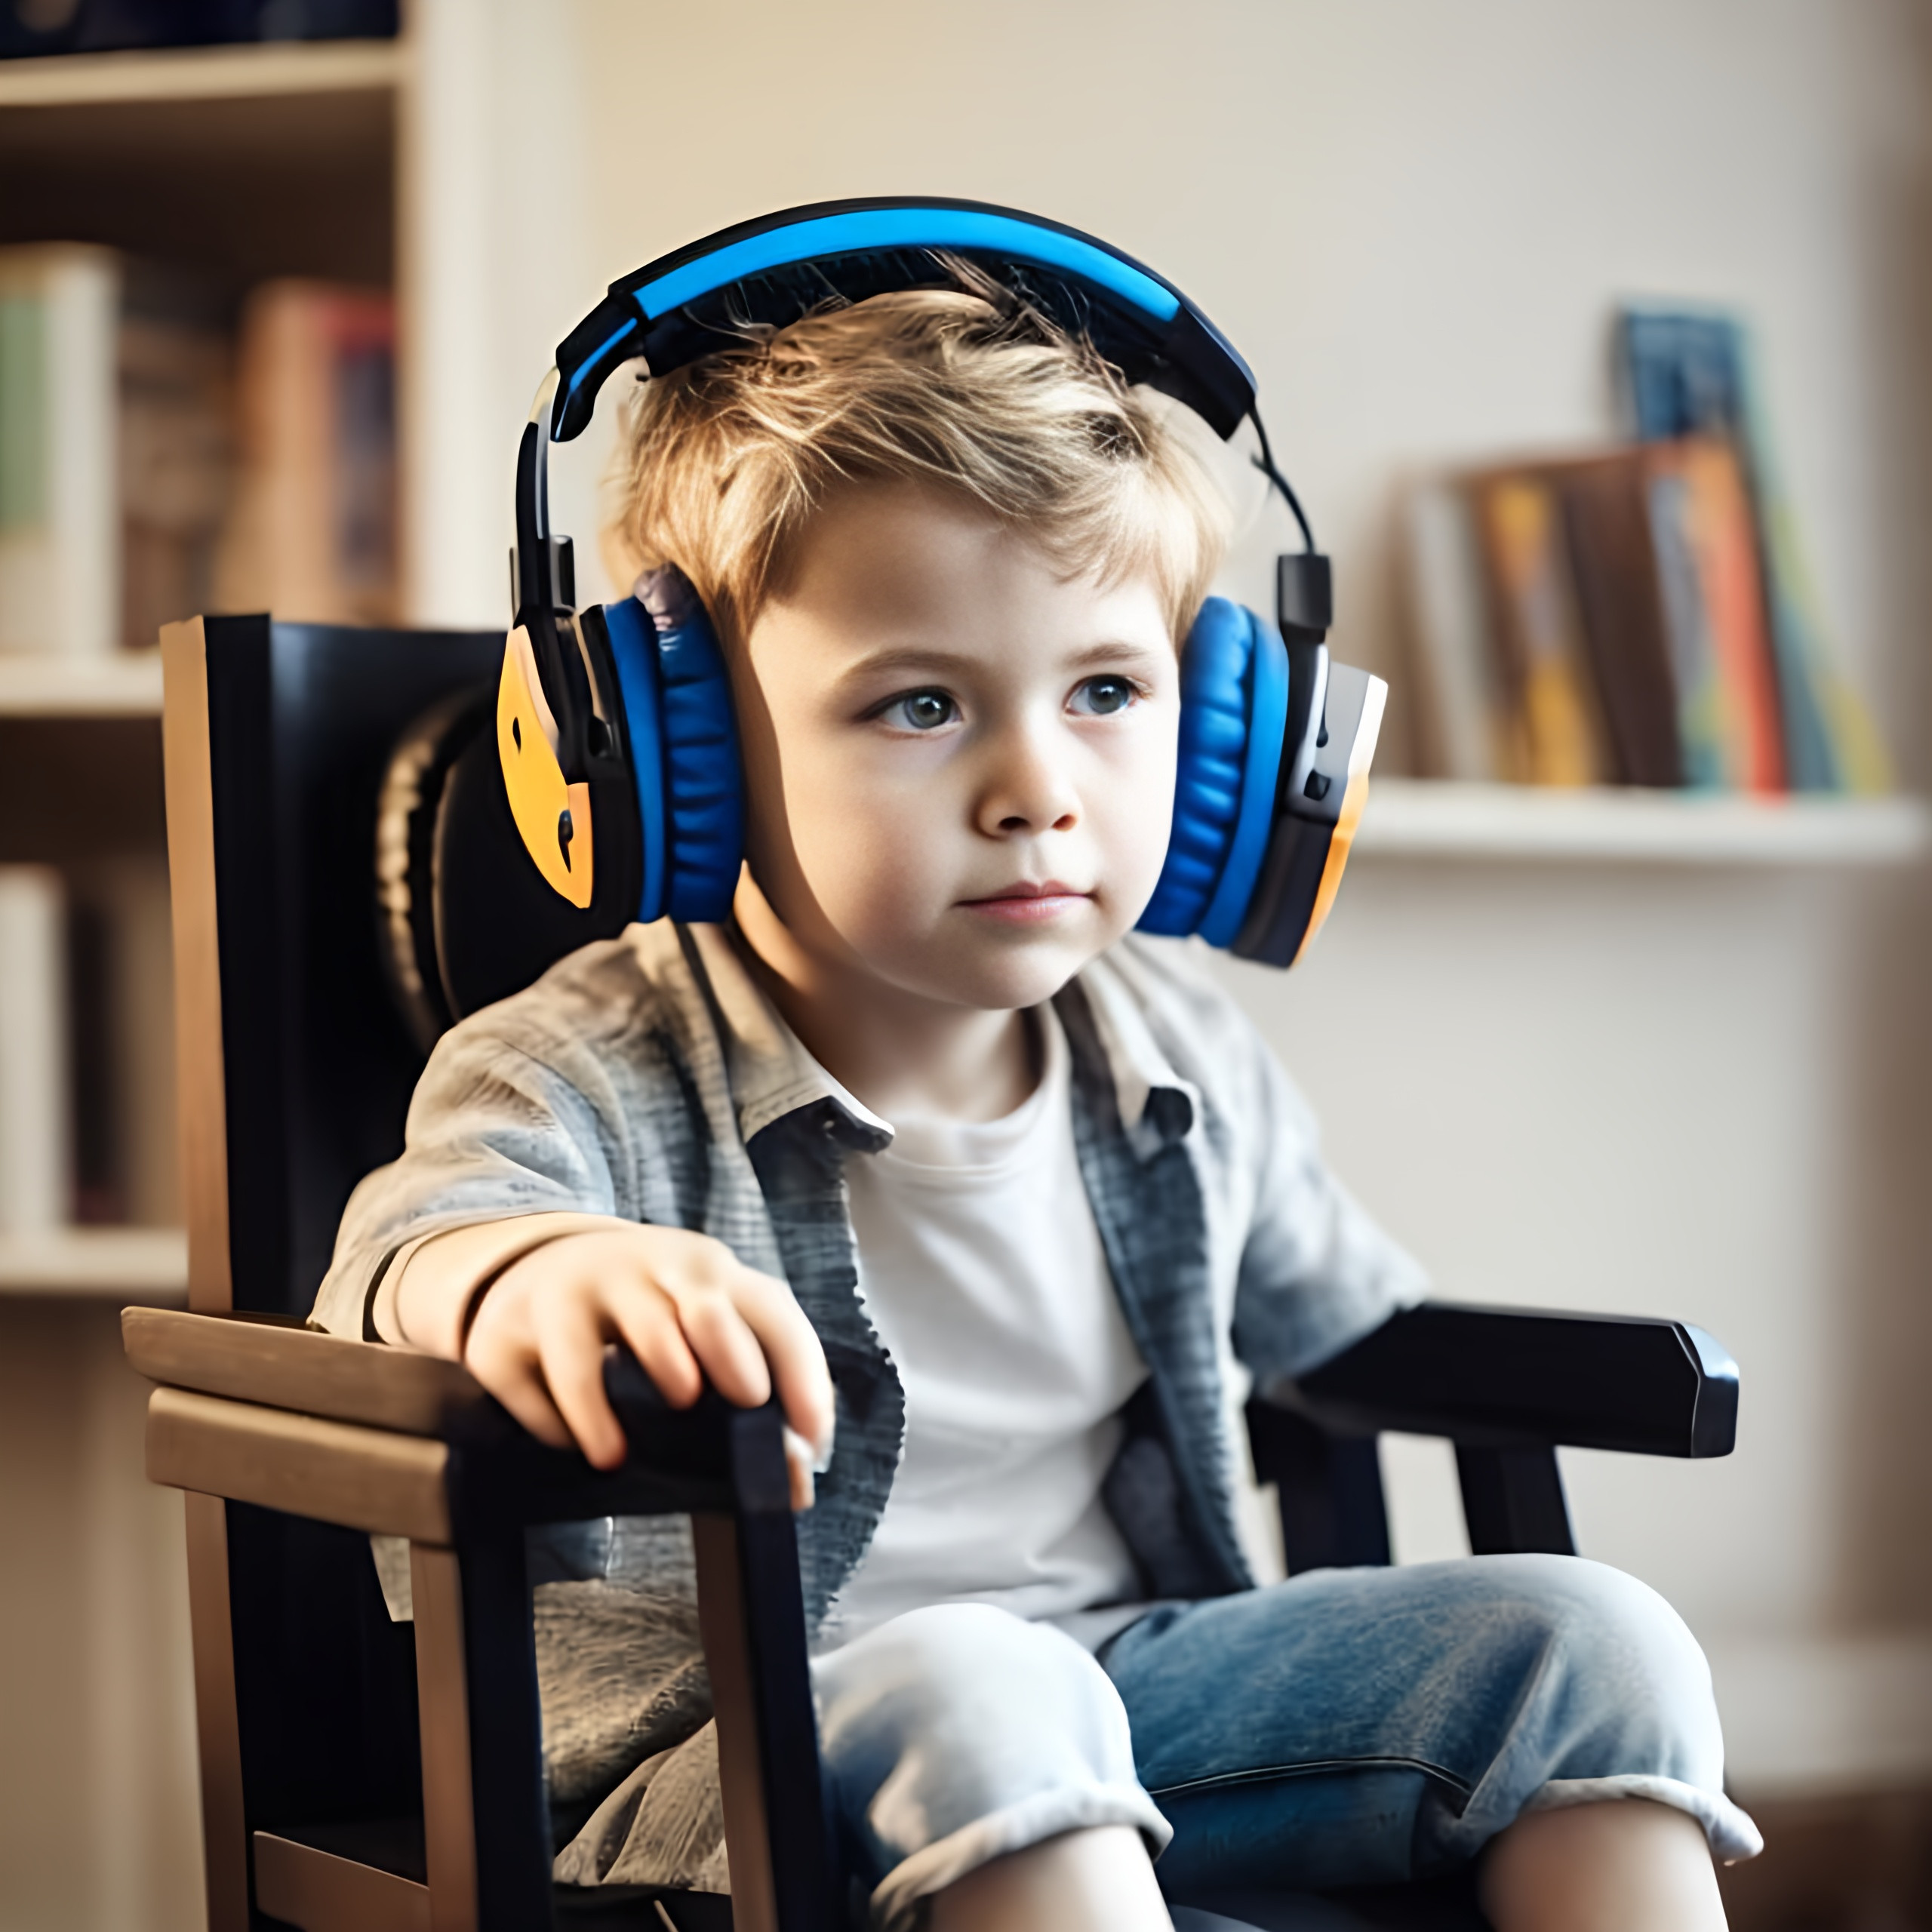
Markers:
(772, 1075)
(1158, 1105)
(770, 1072)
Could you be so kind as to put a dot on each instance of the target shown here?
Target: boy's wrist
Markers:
(429, 1299)
(473, 1302)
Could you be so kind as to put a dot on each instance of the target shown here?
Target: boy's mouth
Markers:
(1028, 903)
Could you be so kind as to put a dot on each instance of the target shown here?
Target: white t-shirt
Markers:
(981, 1268)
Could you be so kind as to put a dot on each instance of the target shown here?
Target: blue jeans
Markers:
(1348, 1727)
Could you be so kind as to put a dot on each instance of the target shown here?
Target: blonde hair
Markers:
(967, 389)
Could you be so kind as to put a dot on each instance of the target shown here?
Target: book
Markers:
(1690, 372)
(59, 540)
(1703, 707)
(36, 1151)
(1451, 649)
(1723, 537)
(1620, 599)
(1621, 621)
(312, 535)
(175, 455)
(1551, 731)
(123, 1059)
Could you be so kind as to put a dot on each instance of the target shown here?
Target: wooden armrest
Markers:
(373, 1479)
(264, 1411)
(278, 1363)
(1502, 1376)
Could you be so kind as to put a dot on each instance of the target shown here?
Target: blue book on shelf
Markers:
(1692, 372)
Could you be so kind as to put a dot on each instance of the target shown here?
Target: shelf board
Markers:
(203, 73)
(1410, 818)
(122, 684)
(238, 163)
(149, 1265)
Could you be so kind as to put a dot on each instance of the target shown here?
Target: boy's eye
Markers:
(1100, 696)
(921, 711)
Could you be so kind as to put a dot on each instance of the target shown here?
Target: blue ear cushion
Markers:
(634, 647)
(1225, 775)
(1261, 770)
(702, 786)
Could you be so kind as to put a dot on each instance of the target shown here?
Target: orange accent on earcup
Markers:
(553, 816)
(1339, 842)
(1361, 755)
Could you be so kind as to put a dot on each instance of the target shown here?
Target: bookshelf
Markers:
(1426, 819)
(148, 1266)
(241, 165)
(246, 161)
(126, 684)
(266, 71)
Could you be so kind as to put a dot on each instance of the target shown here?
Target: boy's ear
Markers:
(667, 594)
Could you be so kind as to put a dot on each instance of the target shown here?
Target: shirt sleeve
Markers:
(493, 1130)
(1317, 1273)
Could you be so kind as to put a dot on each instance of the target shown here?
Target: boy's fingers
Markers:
(569, 1341)
(516, 1384)
(725, 1345)
(799, 1457)
(647, 1322)
(790, 1345)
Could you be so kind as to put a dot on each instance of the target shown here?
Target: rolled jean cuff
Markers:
(1046, 1814)
(1732, 1835)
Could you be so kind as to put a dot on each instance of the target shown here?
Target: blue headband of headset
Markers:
(777, 268)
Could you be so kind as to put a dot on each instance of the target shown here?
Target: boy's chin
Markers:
(1006, 978)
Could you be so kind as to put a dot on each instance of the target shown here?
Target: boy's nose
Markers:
(1027, 790)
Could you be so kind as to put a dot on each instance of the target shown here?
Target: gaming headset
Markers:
(614, 726)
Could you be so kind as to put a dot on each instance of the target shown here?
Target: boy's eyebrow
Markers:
(925, 658)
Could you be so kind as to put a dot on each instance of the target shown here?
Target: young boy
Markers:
(1008, 1206)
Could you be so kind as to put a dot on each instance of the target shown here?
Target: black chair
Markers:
(345, 881)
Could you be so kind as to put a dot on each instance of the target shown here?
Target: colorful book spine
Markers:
(1724, 538)
(1688, 372)
(1552, 730)
(1703, 704)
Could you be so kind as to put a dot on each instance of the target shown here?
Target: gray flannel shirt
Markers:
(646, 1077)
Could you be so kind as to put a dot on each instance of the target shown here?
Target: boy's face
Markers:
(961, 766)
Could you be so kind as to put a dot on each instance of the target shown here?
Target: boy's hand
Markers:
(686, 1308)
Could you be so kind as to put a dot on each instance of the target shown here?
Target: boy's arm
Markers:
(534, 1218)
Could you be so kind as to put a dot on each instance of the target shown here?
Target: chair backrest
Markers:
(296, 1068)
(346, 877)
(297, 1061)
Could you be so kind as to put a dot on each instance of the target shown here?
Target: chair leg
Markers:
(721, 1609)
(487, 1829)
(217, 1718)
(442, 1701)
(1327, 1488)
(1512, 1500)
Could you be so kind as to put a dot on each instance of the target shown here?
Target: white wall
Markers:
(1695, 1092)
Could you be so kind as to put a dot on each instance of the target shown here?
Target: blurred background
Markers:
(1595, 335)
